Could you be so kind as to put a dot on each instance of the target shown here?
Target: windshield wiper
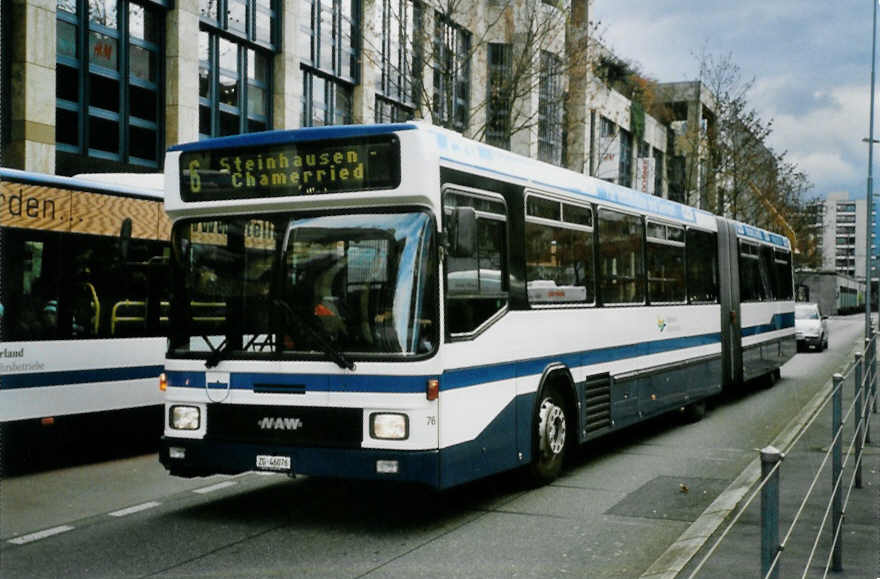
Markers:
(217, 353)
(317, 333)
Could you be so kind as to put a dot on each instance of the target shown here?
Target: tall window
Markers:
(108, 72)
(451, 62)
(676, 170)
(499, 98)
(236, 41)
(394, 96)
(550, 109)
(658, 172)
(329, 53)
(626, 165)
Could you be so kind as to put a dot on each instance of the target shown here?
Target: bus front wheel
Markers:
(551, 438)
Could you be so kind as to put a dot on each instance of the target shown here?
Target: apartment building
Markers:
(842, 221)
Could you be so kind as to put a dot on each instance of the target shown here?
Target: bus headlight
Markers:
(185, 417)
(387, 426)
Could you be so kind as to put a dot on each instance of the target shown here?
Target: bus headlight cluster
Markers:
(185, 417)
(388, 426)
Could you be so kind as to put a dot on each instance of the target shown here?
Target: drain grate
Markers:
(663, 498)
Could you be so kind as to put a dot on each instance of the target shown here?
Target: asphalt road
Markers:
(616, 509)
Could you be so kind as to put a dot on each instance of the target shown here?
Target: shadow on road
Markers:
(30, 446)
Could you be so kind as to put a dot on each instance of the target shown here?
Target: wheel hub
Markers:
(551, 428)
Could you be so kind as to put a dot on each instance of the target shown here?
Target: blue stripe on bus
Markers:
(464, 377)
(284, 137)
(777, 322)
(67, 377)
(472, 376)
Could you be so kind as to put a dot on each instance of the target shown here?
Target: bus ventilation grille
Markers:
(598, 397)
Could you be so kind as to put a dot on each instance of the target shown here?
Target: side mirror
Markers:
(463, 232)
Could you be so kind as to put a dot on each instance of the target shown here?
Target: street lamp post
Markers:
(869, 221)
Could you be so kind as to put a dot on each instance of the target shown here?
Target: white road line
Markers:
(40, 535)
(134, 509)
(216, 487)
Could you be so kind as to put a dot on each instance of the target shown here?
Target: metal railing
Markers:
(861, 376)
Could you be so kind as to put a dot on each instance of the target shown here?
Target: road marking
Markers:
(40, 535)
(216, 487)
(134, 509)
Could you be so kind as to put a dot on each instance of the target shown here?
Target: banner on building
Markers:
(645, 172)
(609, 158)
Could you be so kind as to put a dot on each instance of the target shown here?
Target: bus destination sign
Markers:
(309, 168)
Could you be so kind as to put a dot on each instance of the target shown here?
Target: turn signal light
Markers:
(432, 392)
(163, 382)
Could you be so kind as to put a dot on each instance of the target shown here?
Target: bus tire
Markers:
(551, 437)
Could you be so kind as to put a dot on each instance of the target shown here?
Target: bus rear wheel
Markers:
(550, 438)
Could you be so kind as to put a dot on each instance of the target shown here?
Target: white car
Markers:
(811, 326)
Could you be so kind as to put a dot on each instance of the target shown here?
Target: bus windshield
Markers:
(305, 286)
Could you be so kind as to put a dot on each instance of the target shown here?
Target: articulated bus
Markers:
(399, 302)
(81, 325)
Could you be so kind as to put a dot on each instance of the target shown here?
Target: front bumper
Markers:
(207, 457)
(809, 341)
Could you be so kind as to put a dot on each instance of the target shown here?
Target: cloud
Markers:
(824, 137)
(810, 60)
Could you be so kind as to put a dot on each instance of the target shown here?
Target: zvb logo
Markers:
(661, 324)
(273, 423)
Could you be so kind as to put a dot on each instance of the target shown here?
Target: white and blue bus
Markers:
(77, 339)
(399, 302)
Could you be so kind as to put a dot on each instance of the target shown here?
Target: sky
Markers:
(810, 61)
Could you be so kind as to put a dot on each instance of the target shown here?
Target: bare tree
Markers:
(749, 180)
(479, 67)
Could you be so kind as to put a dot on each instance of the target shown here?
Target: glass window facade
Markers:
(395, 96)
(109, 56)
(329, 52)
(236, 43)
(499, 101)
(550, 106)
(451, 65)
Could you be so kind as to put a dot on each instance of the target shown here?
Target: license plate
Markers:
(267, 462)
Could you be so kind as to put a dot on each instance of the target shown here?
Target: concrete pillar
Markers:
(693, 163)
(182, 73)
(364, 97)
(578, 115)
(32, 70)
(287, 82)
(525, 141)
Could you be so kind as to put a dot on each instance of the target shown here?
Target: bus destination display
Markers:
(309, 168)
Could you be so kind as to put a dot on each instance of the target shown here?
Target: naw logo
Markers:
(279, 423)
(661, 324)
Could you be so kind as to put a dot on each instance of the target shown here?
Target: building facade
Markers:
(109, 85)
(842, 221)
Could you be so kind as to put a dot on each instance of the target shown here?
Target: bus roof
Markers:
(453, 149)
(146, 185)
(295, 135)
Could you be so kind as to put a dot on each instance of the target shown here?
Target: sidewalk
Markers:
(739, 554)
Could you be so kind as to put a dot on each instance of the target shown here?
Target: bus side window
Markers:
(754, 278)
(476, 283)
(702, 266)
(782, 266)
(621, 260)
